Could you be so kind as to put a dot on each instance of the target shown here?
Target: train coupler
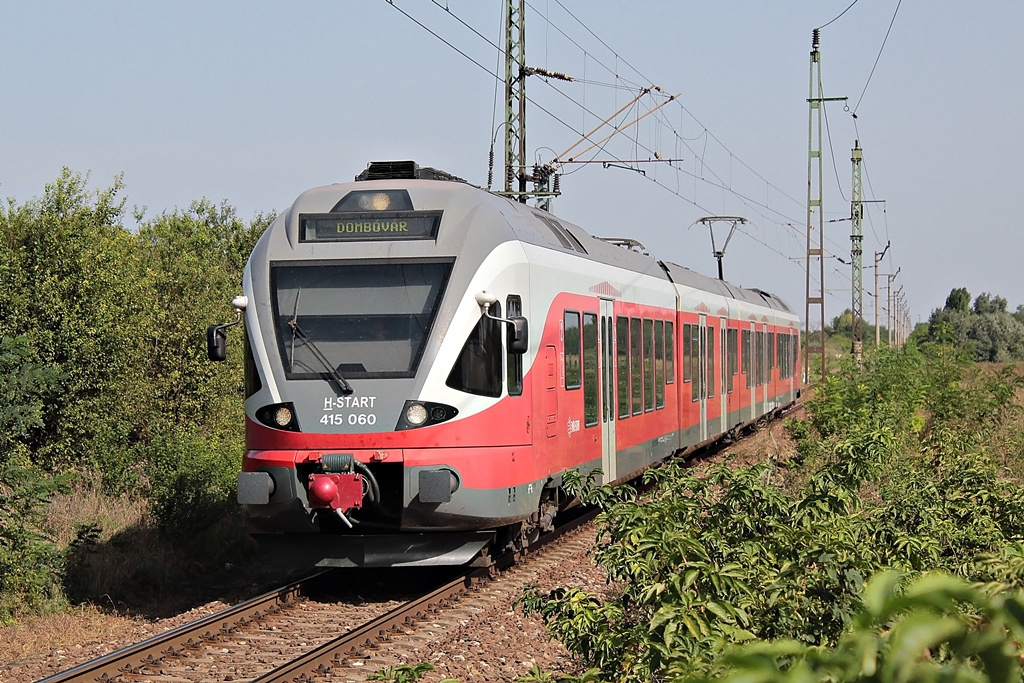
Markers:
(338, 492)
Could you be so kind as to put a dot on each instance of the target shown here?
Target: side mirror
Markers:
(518, 335)
(217, 335)
(216, 343)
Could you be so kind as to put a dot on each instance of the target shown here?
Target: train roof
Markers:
(536, 226)
(684, 276)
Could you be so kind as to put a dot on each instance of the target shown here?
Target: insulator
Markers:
(490, 168)
(816, 38)
(558, 178)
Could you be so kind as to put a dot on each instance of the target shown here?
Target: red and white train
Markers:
(425, 360)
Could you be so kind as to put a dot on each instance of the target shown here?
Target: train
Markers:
(426, 360)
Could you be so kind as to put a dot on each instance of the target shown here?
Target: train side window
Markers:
(788, 358)
(711, 362)
(571, 331)
(778, 357)
(780, 349)
(477, 370)
(252, 374)
(636, 357)
(734, 354)
(686, 353)
(659, 361)
(514, 361)
(590, 385)
(670, 354)
(759, 354)
(622, 343)
(795, 360)
(696, 361)
(745, 359)
(648, 365)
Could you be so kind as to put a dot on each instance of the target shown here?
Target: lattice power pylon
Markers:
(815, 213)
(515, 99)
(856, 251)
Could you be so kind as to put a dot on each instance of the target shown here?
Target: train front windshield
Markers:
(362, 320)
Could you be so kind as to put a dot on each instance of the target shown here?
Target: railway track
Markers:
(284, 636)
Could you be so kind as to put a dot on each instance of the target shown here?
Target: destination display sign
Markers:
(369, 226)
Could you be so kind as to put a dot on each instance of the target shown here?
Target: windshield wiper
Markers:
(339, 382)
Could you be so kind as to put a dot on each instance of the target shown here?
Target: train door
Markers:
(606, 369)
(701, 377)
(724, 370)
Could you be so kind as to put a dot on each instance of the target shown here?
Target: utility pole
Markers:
(892, 308)
(878, 258)
(515, 99)
(888, 300)
(815, 213)
(856, 252)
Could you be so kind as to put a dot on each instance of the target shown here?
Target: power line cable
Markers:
(719, 182)
(879, 56)
(840, 14)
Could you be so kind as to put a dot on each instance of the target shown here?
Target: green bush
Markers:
(31, 564)
(102, 362)
(895, 472)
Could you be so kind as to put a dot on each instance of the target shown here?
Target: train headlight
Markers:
(279, 416)
(377, 201)
(283, 416)
(423, 414)
(416, 414)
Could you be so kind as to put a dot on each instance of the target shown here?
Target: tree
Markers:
(987, 304)
(79, 303)
(959, 299)
(23, 388)
(988, 330)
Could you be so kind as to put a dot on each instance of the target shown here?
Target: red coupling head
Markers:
(336, 491)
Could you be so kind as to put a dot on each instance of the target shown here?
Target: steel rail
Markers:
(320, 661)
(189, 636)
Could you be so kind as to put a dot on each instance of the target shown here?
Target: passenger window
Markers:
(636, 346)
(659, 362)
(478, 367)
(572, 349)
(711, 362)
(734, 355)
(622, 342)
(747, 353)
(590, 386)
(686, 354)
(670, 354)
(696, 360)
(649, 364)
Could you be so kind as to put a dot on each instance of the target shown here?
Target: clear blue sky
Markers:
(253, 102)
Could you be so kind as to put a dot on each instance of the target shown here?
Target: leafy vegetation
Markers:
(824, 566)
(103, 371)
(987, 330)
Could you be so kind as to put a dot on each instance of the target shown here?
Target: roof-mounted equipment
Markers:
(404, 170)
